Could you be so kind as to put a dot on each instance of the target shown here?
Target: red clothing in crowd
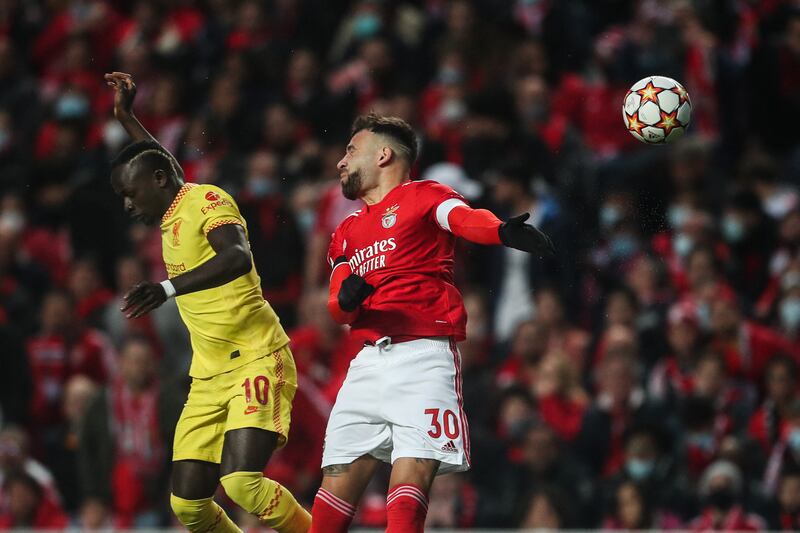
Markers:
(734, 520)
(766, 427)
(53, 360)
(48, 515)
(562, 414)
(756, 345)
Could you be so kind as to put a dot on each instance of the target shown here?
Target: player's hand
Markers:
(514, 233)
(143, 298)
(353, 291)
(124, 92)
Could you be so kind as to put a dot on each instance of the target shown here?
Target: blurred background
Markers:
(644, 377)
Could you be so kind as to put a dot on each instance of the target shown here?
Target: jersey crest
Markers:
(390, 217)
(176, 233)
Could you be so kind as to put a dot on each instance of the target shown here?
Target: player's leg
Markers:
(341, 490)
(244, 456)
(195, 469)
(407, 498)
(430, 435)
(259, 412)
(356, 440)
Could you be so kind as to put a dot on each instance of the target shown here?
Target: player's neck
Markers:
(170, 192)
(385, 185)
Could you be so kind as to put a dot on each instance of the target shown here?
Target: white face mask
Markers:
(790, 313)
(114, 135)
(12, 222)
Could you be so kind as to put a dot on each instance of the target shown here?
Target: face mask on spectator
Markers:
(261, 186)
(366, 25)
(704, 316)
(703, 441)
(682, 244)
(790, 313)
(114, 134)
(306, 219)
(677, 215)
(450, 76)
(623, 246)
(721, 498)
(12, 221)
(639, 469)
(452, 110)
(794, 439)
(609, 216)
(71, 106)
(732, 229)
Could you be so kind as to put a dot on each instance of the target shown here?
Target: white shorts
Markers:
(401, 400)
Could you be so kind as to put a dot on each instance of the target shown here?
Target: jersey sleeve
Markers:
(216, 208)
(438, 201)
(336, 250)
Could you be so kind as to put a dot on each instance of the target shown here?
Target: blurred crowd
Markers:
(645, 377)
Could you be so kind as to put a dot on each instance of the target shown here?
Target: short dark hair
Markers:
(398, 129)
(149, 152)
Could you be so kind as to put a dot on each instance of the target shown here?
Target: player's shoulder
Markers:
(348, 220)
(431, 190)
(207, 197)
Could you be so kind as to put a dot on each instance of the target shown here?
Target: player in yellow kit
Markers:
(243, 374)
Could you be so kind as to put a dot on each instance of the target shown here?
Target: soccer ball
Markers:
(657, 110)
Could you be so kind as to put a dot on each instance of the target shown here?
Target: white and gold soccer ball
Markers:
(657, 110)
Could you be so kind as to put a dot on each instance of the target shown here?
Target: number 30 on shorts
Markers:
(448, 421)
(259, 385)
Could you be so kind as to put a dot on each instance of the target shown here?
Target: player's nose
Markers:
(128, 205)
(342, 164)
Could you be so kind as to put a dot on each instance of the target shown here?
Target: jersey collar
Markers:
(178, 197)
(386, 199)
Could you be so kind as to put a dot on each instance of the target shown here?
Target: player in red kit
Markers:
(392, 281)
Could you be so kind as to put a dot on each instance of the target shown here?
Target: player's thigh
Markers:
(247, 450)
(348, 481)
(429, 422)
(260, 395)
(414, 471)
(200, 430)
(194, 480)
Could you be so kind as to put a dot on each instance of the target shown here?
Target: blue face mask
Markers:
(794, 439)
(682, 244)
(366, 25)
(677, 216)
(305, 219)
(639, 469)
(790, 313)
(71, 106)
(623, 247)
(703, 441)
(450, 76)
(732, 229)
(609, 216)
(704, 316)
(261, 186)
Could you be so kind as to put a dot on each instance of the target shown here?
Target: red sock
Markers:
(330, 514)
(406, 508)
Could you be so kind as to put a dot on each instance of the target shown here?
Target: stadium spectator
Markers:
(632, 510)
(123, 443)
(720, 490)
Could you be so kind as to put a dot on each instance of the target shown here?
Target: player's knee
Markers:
(249, 490)
(191, 513)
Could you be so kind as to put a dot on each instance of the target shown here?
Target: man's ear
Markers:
(161, 178)
(385, 156)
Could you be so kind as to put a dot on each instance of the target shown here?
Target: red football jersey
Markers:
(399, 247)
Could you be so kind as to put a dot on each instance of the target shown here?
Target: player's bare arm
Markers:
(124, 96)
(231, 261)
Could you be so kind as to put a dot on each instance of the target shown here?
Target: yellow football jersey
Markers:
(229, 325)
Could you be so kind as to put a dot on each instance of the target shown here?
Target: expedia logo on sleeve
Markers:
(216, 201)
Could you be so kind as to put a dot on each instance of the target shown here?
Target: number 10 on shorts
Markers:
(259, 385)
(447, 421)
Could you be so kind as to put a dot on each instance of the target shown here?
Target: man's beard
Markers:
(351, 189)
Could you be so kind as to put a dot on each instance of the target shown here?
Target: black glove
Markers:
(353, 291)
(514, 233)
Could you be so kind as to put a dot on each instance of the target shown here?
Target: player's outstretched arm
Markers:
(232, 260)
(347, 292)
(483, 227)
(124, 96)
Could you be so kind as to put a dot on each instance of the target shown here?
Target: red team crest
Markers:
(176, 228)
(390, 217)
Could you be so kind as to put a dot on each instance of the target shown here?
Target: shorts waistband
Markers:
(385, 343)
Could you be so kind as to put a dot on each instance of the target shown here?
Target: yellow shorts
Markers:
(258, 394)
